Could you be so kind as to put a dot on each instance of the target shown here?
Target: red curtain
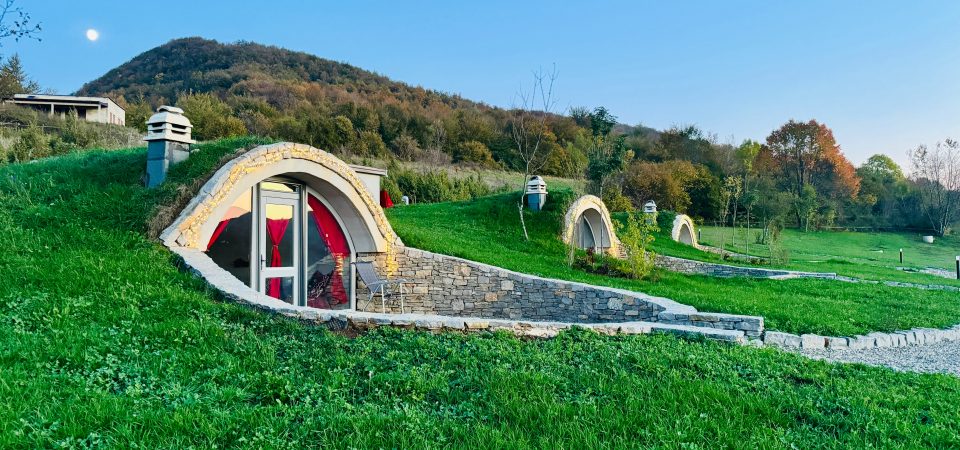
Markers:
(336, 241)
(276, 228)
(385, 201)
(217, 232)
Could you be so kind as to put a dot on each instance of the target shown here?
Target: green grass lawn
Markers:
(487, 230)
(868, 255)
(104, 343)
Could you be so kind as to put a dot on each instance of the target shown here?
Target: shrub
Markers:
(601, 264)
(615, 200)
(33, 144)
(406, 147)
(435, 186)
(474, 152)
(636, 235)
(210, 116)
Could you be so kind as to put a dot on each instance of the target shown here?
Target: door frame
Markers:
(292, 199)
(301, 220)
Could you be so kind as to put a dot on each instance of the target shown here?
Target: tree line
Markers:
(798, 176)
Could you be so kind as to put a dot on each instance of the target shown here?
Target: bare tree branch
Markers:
(16, 23)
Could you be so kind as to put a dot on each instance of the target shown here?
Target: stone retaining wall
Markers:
(451, 286)
(693, 267)
(726, 328)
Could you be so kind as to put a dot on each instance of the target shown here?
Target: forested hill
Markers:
(202, 65)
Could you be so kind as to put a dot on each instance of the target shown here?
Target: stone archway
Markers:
(683, 231)
(324, 173)
(587, 224)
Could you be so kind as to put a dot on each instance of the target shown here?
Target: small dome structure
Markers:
(588, 226)
(683, 231)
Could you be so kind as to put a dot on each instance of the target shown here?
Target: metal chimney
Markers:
(168, 142)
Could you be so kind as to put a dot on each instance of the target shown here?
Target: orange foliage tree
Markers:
(812, 168)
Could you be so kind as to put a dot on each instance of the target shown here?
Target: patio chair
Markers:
(376, 285)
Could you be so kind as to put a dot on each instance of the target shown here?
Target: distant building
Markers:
(91, 109)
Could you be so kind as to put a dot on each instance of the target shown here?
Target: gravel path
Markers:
(943, 357)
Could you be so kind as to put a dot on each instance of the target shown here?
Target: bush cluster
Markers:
(434, 186)
(27, 135)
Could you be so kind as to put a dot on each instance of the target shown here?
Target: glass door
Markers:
(279, 243)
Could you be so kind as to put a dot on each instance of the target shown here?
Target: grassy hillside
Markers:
(104, 343)
(851, 252)
(857, 255)
(488, 230)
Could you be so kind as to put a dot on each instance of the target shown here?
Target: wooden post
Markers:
(958, 267)
(901, 256)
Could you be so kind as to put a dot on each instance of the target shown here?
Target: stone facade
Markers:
(693, 267)
(196, 222)
(683, 231)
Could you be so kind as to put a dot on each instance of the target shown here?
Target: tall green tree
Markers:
(14, 79)
(608, 154)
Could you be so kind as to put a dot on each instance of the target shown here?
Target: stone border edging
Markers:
(915, 336)
(905, 284)
(695, 267)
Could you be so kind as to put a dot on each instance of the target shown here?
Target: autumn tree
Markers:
(806, 154)
(210, 116)
(936, 171)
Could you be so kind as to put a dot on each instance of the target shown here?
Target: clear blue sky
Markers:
(884, 75)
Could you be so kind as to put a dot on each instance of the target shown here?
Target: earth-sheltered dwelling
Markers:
(279, 225)
(683, 230)
(588, 226)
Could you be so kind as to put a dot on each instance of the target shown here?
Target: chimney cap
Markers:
(169, 124)
(169, 114)
(168, 108)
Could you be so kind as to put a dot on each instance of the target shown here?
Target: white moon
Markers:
(93, 35)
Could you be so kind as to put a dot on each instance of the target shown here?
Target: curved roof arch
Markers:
(595, 212)
(326, 174)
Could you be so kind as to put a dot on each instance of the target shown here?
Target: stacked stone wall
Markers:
(450, 286)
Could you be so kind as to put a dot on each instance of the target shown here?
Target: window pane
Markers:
(280, 235)
(229, 246)
(279, 187)
(328, 259)
(280, 288)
